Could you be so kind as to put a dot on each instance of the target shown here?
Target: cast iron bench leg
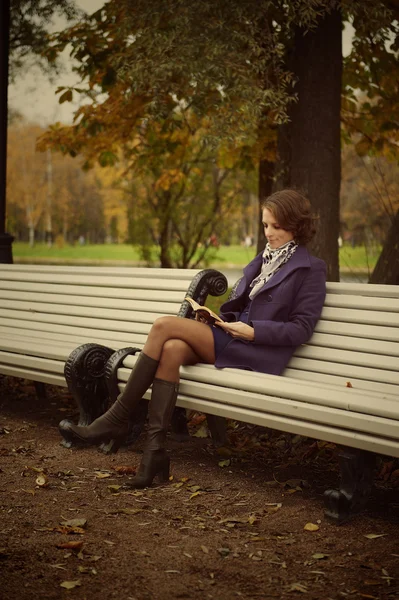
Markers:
(357, 468)
(84, 373)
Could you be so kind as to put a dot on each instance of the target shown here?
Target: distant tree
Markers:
(29, 31)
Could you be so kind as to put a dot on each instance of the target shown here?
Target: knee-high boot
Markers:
(114, 424)
(155, 461)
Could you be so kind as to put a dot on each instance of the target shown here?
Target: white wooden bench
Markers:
(46, 312)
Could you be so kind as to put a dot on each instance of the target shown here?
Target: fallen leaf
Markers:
(202, 432)
(59, 566)
(319, 555)
(205, 550)
(114, 488)
(224, 551)
(90, 570)
(70, 545)
(311, 527)
(298, 587)
(69, 530)
(74, 523)
(194, 495)
(373, 536)
(101, 475)
(194, 488)
(69, 585)
(42, 480)
(172, 571)
(224, 463)
(125, 470)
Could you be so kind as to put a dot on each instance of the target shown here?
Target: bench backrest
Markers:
(116, 305)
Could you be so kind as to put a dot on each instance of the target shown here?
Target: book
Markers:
(204, 312)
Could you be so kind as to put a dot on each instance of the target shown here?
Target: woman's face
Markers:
(276, 236)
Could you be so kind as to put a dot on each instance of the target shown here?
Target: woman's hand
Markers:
(238, 330)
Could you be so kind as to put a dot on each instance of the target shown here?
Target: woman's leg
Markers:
(175, 352)
(197, 336)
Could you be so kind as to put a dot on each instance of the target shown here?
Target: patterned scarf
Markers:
(272, 260)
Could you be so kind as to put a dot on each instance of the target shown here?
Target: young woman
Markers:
(275, 309)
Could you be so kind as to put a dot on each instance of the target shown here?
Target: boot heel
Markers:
(164, 473)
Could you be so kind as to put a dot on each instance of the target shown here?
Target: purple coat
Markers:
(283, 314)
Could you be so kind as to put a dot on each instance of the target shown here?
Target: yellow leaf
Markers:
(373, 536)
(69, 585)
(193, 495)
(42, 480)
(311, 527)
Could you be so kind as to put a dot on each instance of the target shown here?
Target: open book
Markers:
(204, 312)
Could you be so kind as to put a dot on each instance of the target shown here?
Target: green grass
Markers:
(351, 259)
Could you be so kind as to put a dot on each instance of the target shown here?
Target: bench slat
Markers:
(83, 322)
(380, 318)
(33, 299)
(149, 272)
(133, 314)
(77, 279)
(32, 362)
(32, 375)
(363, 289)
(92, 334)
(92, 291)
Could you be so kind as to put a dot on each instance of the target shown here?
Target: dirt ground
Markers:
(230, 524)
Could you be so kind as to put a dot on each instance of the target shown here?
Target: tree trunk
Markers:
(266, 172)
(311, 142)
(387, 267)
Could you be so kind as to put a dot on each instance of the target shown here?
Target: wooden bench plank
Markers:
(32, 375)
(32, 362)
(143, 316)
(60, 290)
(91, 333)
(384, 319)
(363, 289)
(8, 299)
(150, 272)
(76, 279)
(83, 322)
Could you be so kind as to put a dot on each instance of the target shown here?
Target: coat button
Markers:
(269, 298)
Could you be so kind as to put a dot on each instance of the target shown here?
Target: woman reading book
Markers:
(275, 309)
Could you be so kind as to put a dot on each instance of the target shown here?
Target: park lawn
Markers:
(351, 259)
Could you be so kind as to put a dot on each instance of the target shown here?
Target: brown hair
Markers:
(293, 212)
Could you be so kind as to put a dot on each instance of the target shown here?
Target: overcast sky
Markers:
(34, 96)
